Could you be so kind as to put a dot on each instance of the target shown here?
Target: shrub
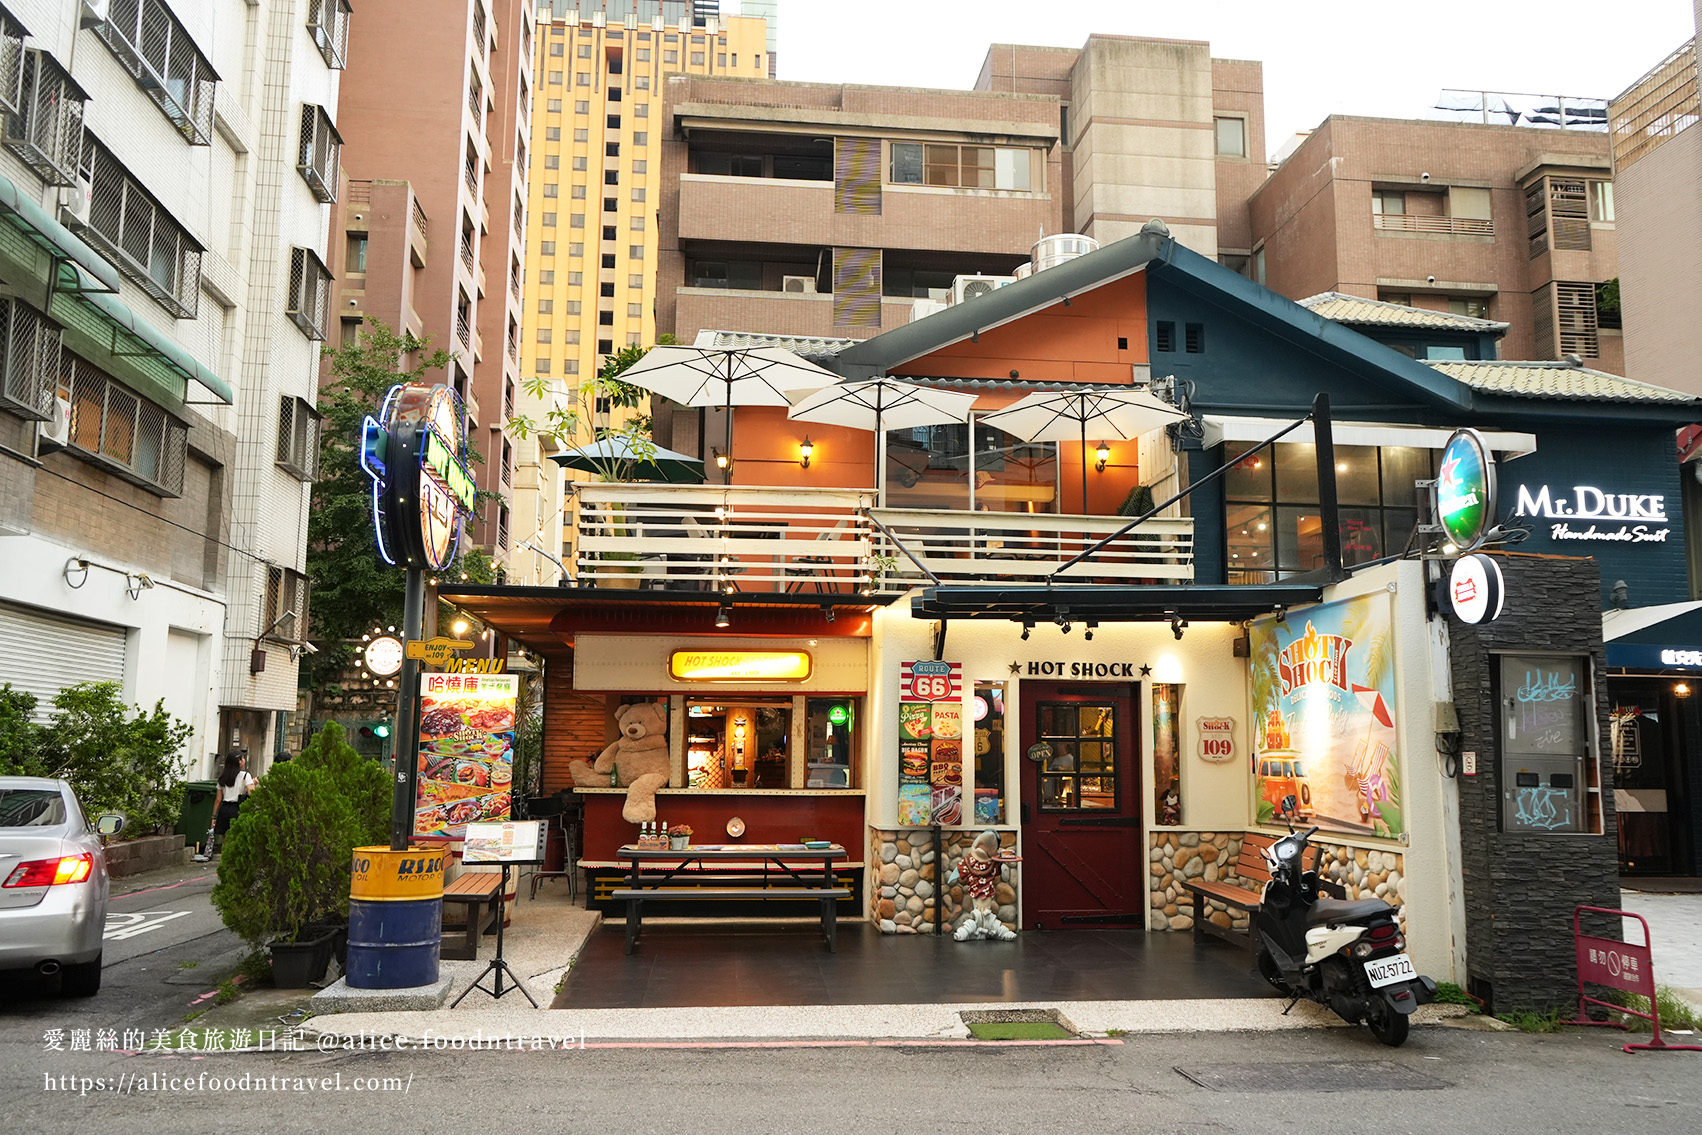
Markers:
(116, 761)
(359, 781)
(286, 858)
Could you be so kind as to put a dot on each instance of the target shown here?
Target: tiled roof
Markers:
(1377, 313)
(816, 350)
(1555, 380)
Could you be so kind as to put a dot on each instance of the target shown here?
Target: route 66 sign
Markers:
(1217, 738)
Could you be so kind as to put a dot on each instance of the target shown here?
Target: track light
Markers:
(1064, 621)
(1177, 626)
(723, 616)
(1087, 630)
(1027, 625)
(828, 611)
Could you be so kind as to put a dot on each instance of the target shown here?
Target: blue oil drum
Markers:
(394, 944)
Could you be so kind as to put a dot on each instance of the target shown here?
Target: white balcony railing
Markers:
(835, 541)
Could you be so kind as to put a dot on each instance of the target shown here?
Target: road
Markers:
(1442, 1080)
(151, 934)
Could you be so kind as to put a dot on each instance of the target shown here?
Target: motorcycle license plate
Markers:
(1389, 970)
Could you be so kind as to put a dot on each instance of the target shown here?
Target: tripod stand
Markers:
(498, 965)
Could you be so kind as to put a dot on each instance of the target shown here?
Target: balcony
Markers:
(768, 210)
(831, 541)
(471, 176)
(1455, 226)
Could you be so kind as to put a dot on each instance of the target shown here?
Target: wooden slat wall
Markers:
(1569, 213)
(1542, 321)
(857, 289)
(857, 176)
(1575, 302)
(575, 724)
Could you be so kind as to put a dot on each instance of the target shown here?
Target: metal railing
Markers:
(418, 214)
(1408, 222)
(837, 541)
(467, 250)
(471, 176)
(463, 329)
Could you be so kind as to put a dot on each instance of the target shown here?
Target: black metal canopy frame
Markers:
(1063, 602)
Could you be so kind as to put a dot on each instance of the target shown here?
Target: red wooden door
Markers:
(1083, 855)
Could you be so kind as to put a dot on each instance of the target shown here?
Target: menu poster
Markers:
(947, 764)
(913, 761)
(948, 804)
(915, 804)
(948, 720)
(518, 841)
(466, 752)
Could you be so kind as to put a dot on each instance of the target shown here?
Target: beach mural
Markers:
(1324, 731)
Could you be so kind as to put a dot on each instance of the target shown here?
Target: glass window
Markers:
(906, 164)
(1250, 542)
(1388, 202)
(989, 717)
(1444, 353)
(831, 755)
(1231, 137)
(1475, 307)
(1601, 201)
(1081, 774)
(1250, 479)
(1296, 472)
(1356, 475)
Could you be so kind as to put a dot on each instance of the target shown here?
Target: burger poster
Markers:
(466, 752)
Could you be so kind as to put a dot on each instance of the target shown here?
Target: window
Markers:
(576, 220)
(1388, 202)
(354, 255)
(611, 204)
(608, 260)
(1402, 298)
(541, 365)
(328, 21)
(584, 51)
(1601, 201)
(576, 249)
(635, 310)
(1575, 318)
(545, 307)
(552, 134)
(640, 166)
(611, 149)
(29, 360)
(721, 59)
(554, 106)
(1271, 506)
(611, 177)
(310, 293)
(552, 189)
(571, 366)
(12, 35)
(574, 279)
(635, 281)
(546, 248)
(321, 147)
(640, 138)
(583, 79)
(1164, 336)
(1231, 137)
(286, 604)
(633, 252)
(580, 135)
(1081, 774)
(47, 132)
(613, 122)
(579, 163)
(552, 161)
(152, 45)
(608, 232)
(670, 56)
(697, 59)
(605, 346)
(1466, 305)
(967, 167)
(558, 49)
(130, 228)
(638, 196)
(1194, 338)
(543, 334)
(606, 288)
(637, 224)
(546, 277)
(583, 106)
(605, 319)
(573, 307)
(298, 437)
(644, 55)
(350, 332)
(110, 426)
(570, 336)
(555, 78)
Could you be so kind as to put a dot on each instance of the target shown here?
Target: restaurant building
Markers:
(907, 639)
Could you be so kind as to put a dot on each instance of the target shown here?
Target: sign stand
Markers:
(1619, 965)
(497, 965)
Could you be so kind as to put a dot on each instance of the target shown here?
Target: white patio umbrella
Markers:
(727, 377)
(1066, 415)
(881, 404)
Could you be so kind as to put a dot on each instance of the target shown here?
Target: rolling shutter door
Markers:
(42, 653)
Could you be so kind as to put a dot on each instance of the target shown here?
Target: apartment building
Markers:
(435, 127)
(1657, 159)
(1513, 224)
(165, 170)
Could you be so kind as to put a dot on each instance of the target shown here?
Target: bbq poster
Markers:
(466, 752)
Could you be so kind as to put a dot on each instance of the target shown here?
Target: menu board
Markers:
(930, 744)
(518, 841)
(466, 751)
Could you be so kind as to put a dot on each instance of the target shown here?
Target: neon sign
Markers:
(418, 518)
(1621, 511)
(1465, 490)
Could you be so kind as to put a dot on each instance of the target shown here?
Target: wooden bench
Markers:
(481, 893)
(636, 897)
(1254, 872)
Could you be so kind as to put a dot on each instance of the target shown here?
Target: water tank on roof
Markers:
(1050, 251)
(1023, 269)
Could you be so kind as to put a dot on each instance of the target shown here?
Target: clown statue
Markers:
(979, 872)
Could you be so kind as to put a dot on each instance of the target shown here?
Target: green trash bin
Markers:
(200, 801)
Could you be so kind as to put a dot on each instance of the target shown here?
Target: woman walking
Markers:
(234, 786)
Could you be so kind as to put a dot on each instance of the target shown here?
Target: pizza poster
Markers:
(466, 752)
(930, 743)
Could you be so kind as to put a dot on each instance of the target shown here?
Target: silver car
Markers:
(53, 882)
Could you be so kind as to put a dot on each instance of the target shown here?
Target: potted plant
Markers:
(284, 872)
(679, 837)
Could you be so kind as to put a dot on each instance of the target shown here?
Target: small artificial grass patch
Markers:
(1018, 1030)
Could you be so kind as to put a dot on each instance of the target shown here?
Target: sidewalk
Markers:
(1675, 931)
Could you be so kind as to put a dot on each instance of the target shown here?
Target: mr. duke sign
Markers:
(1589, 514)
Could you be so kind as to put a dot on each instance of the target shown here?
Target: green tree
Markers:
(362, 783)
(582, 420)
(286, 858)
(353, 590)
(115, 760)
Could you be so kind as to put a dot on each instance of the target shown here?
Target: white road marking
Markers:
(121, 926)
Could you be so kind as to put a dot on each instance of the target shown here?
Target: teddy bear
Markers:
(639, 756)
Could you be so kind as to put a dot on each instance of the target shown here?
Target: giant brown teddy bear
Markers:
(640, 757)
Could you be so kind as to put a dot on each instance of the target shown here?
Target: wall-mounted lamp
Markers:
(805, 448)
(722, 460)
(1680, 690)
(1104, 455)
(460, 626)
(723, 616)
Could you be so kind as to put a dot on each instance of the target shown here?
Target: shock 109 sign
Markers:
(1217, 738)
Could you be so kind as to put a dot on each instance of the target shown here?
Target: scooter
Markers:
(1347, 956)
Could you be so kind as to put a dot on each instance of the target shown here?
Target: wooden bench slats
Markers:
(664, 893)
(481, 893)
(480, 885)
(1252, 870)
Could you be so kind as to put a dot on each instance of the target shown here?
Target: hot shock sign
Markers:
(931, 681)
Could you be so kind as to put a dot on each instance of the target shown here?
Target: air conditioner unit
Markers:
(56, 431)
(599, 19)
(921, 309)
(95, 13)
(804, 284)
(75, 203)
(969, 287)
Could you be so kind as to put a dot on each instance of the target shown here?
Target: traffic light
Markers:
(381, 730)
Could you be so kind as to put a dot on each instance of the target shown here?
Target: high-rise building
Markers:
(166, 167)
(1513, 224)
(591, 219)
(448, 116)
